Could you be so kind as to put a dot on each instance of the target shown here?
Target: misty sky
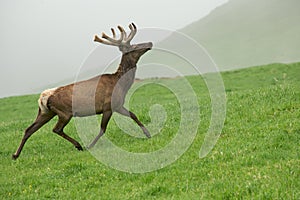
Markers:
(43, 42)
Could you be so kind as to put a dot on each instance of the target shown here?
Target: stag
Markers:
(107, 96)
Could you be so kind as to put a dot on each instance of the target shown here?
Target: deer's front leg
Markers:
(125, 112)
(105, 119)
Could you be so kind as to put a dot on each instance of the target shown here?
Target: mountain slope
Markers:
(245, 33)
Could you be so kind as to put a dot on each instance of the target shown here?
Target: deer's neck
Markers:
(127, 66)
(125, 77)
(126, 73)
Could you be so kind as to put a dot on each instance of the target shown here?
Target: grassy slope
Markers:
(257, 155)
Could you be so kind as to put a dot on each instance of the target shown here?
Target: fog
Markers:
(44, 42)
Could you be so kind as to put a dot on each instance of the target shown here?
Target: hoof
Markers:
(14, 157)
(79, 148)
(90, 146)
(148, 135)
(146, 132)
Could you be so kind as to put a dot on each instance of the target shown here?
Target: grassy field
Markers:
(256, 157)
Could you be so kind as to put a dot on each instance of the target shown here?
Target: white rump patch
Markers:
(43, 100)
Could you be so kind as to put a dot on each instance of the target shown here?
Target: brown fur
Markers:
(93, 96)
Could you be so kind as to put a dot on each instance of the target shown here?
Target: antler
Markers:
(122, 41)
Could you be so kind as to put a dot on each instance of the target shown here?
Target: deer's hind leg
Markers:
(41, 119)
(63, 120)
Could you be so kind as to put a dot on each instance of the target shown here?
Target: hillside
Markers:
(256, 156)
(245, 33)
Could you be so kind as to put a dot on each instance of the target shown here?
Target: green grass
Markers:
(256, 157)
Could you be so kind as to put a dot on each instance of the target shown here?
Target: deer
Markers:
(108, 95)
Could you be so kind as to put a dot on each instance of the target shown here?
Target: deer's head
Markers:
(135, 51)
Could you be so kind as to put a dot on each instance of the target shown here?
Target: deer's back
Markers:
(85, 97)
